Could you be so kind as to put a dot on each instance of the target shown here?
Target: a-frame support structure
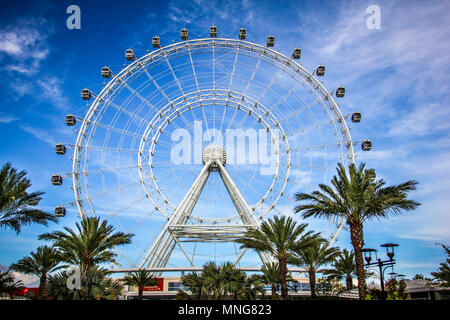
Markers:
(177, 228)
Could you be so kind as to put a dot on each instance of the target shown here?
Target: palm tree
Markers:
(443, 275)
(344, 267)
(278, 237)
(317, 254)
(220, 282)
(140, 279)
(95, 285)
(91, 244)
(17, 206)
(357, 197)
(195, 284)
(40, 263)
(8, 285)
(271, 276)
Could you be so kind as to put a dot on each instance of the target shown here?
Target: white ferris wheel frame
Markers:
(174, 108)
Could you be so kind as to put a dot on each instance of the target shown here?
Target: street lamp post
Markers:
(381, 264)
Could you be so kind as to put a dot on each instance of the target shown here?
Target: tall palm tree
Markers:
(17, 206)
(312, 257)
(8, 285)
(140, 279)
(91, 244)
(357, 197)
(40, 263)
(344, 267)
(278, 237)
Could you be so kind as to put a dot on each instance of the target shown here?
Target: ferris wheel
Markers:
(196, 142)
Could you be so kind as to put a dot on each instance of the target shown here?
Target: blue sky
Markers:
(397, 76)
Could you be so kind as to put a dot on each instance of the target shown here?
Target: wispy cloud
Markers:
(43, 135)
(5, 118)
(24, 43)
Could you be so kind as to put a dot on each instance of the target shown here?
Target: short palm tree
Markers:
(312, 257)
(220, 282)
(277, 237)
(195, 284)
(40, 263)
(271, 276)
(8, 285)
(17, 206)
(140, 279)
(344, 267)
(95, 285)
(91, 244)
(357, 197)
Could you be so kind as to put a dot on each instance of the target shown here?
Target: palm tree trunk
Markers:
(42, 287)
(140, 293)
(357, 239)
(274, 291)
(283, 273)
(312, 282)
(349, 282)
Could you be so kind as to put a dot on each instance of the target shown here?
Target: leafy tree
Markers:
(443, 275)
(17, 206)
(344, 267)
(279, 237)
(8, 285)
(91, 244)
(40, 263)
(357, 197)
(418, 276)
(140, 279)
(313, 257)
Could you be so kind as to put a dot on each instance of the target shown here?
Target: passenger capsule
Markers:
(56, 180)
(60, 211)
(86, 94)
(60, 148)
(106, 72)
(129, 54)
(242, 34)
(320, 71)
(297, 53)
(340, 92)
(270, 41)
(70, 120)
(213, 31)
(366, 145)
(356, 116)
(156, 42)
(184, 34)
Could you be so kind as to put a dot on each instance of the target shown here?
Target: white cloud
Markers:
(27, 279)
(25, 45)
(5, 118)
(425, 119)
